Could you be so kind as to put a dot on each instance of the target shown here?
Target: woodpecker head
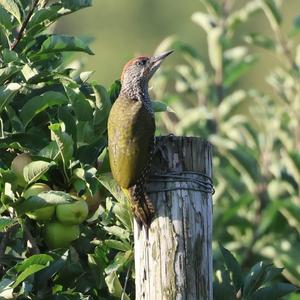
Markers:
(138, 71)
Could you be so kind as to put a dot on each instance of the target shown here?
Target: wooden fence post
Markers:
(175, 262)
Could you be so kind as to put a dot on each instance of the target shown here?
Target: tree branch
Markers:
(33, 245)
(24, 25)
(126, 281)
(219, 76)
(285, 48)
(219, 84)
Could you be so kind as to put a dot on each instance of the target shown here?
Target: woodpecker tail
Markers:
(141, 205)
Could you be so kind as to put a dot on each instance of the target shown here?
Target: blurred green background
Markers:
(125, 28)
(242, 96)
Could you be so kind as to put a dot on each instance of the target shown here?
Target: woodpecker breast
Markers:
(131, 129)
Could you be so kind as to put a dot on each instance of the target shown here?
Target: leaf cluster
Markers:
(255, 134)
(51, 114)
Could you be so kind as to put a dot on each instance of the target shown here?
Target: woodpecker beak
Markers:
(155, 61)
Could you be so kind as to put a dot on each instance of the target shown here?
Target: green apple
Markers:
(17, 166)
(73, 213)
(40, 214)
(58, 235)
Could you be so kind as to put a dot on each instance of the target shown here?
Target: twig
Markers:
(219, 84)
(126, 281)
(219, 72)
(219, 76)
(285, 48)
(28, 236)
(24, 25)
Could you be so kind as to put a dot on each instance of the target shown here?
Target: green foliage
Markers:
(256, 139)
(258, 283)
(58, 117)
(53, 114)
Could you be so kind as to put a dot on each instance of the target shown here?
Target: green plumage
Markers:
(131, 128)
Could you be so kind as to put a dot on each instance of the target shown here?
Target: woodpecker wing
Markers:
(131, 129)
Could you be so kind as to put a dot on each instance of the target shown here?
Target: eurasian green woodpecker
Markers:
(131, 128)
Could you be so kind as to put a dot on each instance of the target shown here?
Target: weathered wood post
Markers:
(175, 262)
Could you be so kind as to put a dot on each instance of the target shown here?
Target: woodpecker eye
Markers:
(141, 63)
